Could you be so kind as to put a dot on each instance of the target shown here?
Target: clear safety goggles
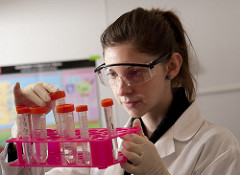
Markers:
(133, 73)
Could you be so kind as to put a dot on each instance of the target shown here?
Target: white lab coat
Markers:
(192, 145)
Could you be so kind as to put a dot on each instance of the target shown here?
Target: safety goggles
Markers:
(133, 73)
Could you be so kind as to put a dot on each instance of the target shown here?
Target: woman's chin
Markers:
(135, 113)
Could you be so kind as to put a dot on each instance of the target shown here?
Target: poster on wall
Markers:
(76, 78)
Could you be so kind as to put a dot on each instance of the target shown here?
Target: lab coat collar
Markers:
(188, 124)
(183, 130)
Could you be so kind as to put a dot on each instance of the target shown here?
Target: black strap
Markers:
(179, 104)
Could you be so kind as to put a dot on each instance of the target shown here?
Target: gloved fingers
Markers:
(17, 93)
(17, 89)
(132, 147)
(138, 139)
(134, 158)
(49, 106)
(127, 166)
(41, 92)
(33, 97)
(49, 87)
(130, 168)
(137, 123)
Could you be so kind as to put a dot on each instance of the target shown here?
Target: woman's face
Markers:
(148, 97)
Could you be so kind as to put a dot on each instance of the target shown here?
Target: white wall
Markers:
(48, 30)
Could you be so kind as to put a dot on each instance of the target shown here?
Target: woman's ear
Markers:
(174, 65)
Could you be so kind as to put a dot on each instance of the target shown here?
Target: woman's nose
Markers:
(122, 86)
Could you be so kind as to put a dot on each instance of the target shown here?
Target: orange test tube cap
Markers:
(38, 110)
(81, 108)
(22, 110)
(106, 102)
(65, 108)
(57, 95)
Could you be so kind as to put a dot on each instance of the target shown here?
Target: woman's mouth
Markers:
(130, 104)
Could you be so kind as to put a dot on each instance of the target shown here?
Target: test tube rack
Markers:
(100, 141)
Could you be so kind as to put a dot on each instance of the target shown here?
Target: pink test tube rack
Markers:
(100, 140)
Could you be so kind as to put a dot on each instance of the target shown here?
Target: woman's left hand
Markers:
(142, 154)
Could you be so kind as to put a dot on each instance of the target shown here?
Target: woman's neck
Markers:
(153, 118)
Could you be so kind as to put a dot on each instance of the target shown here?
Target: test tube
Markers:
(107, 105)
(23, 114)
(57, 98)
(67, 131)
(29, 116)
(39, 133)
(83, 126)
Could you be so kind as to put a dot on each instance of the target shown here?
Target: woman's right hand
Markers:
(36, 94)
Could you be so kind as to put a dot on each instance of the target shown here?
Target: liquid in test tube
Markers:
(67, 131)
(39, 132)
(23, 114)
(107, 105)
(83, 126)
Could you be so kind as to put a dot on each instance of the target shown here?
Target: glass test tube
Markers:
(57, 98)
(23, 114)
(67, 131)
(83, 126)
(107, 104)
(39, 132)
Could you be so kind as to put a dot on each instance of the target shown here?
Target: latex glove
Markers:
(142, 154)
(36, 94)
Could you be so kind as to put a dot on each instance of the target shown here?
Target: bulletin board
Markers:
(76, 78)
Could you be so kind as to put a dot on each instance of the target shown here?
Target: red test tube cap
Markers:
(38, 110)
(81, 108)
(106, 102)
(57, 95)
(65, 108)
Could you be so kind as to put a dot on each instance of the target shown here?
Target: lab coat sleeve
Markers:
(228, 163)
(10, 170)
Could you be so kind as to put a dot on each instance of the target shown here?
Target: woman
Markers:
(147, 67)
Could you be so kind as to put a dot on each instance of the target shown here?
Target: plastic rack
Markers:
(100, 141)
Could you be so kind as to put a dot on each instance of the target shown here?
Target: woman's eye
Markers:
(136, 72)
(111, 74)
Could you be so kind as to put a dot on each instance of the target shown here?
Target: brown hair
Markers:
(154, 32)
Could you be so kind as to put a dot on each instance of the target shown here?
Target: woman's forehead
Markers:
(125, 54)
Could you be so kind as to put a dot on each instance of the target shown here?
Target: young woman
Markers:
(147, 67)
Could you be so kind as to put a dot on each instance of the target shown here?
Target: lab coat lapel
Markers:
(184, 129)
(188, 124)
(165, 145)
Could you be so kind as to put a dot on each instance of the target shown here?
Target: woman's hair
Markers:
(154, 32)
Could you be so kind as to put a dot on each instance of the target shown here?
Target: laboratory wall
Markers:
(56, 30)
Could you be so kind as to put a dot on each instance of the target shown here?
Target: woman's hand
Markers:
(142, 154)
(36, 94)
